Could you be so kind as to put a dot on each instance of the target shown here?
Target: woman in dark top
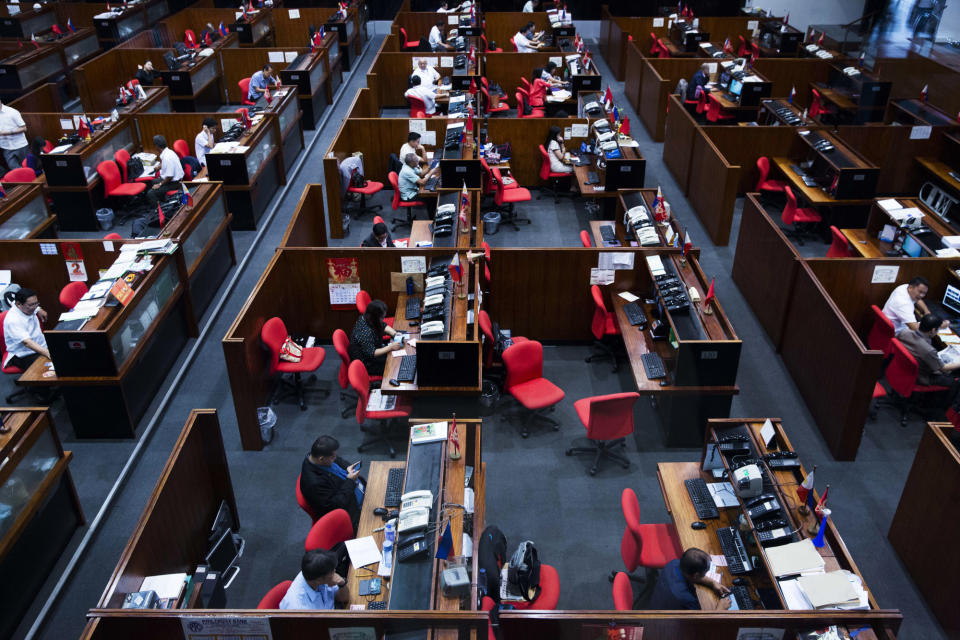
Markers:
(33, 158)
(366, 339)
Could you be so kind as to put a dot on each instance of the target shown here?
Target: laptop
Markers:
(949, 307)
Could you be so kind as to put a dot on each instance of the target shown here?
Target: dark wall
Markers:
(590, 9)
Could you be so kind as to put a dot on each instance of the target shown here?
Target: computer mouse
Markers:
(394, 382)
(380, 511)
(698, 525)
(739, 582)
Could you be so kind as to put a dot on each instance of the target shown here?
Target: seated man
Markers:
(903, 303)
(526, 40)
(436, 37)
(379, 237)
(412, 145)
(317, 586)
(674, 588)
(426, 93)
(169, 176)
(699, 79)
(259, 82)
(427, 74)
(328, 482)
(23, 338)
(409, 179)
(146, 73)
(932, 370)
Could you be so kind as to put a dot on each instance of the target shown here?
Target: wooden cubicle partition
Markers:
(79, 13)
(658, 79)
(893, 150)
(789, 73)
(243, 62)
(308, 224)
(525, 136)
(174, 126)
(615, 32)
(155, 38)
(743, 146)
(911, 74)
(388, 76)
(713, 187)
(98, 79)
(48, 125)
(44, 99)
(364, 104)
(764, 267)
(679, 132)
(506, 69)
(295, 31)
(417, 24)
(833, 369)
(503, 25)
(171, 535)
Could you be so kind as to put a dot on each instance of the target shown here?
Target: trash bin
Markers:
(268, 421)
(105, 218)
(491, 222)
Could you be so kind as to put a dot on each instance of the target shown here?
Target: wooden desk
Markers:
(617, 229)
(941, 171)
(912, 111)
(925, 521)
(195, 85)
(599, 190)
(769, 114)
(867, 245)
(814, 195)
(311, 76)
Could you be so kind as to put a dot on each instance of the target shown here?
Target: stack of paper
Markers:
(889, 204)
(829, 590)
(166, 586)
(656, 266)
(795, 558)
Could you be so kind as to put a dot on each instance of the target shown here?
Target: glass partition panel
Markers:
(194, 244)
(202, 76)
(38, 23)
(26, 479)
(42, 68)
(316, 76)
(122, 139)
(260, 29)
(288, 113)
(130, 25)
(258, 155)
(82, 49)
(334, 50)
(157, 11)
(20, 224)
(146, 308)
(161, 106)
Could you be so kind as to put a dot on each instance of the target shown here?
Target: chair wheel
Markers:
(556, 428)
(569, 452)
(524, 434)
(593, 471)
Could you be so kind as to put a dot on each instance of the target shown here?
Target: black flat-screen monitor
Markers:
(223, 553)
(448, 364)
(453, 173)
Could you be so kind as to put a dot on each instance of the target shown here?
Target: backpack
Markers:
(491, 554)
(356, 179)
(134, 168)
(524, 572)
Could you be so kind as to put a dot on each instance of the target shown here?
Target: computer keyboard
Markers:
(391, 497)
(431, 184)
(408, 369)
(377, 604)
(797, 170)
(412, 312)
(608, 233)
(653, 365)
(734, 551)
(593, 177)
(702, 500)
(741, 594)
(635, 314)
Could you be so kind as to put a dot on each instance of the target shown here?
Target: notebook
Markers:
(831, 589)
(794, 558)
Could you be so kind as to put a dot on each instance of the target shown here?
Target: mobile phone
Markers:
(357, 464)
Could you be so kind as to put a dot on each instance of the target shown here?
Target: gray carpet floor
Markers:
(558, 497)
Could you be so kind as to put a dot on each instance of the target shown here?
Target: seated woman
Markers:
(548, 75)
(366, 339)
(557, 152)
(538, 88)
(33, 158)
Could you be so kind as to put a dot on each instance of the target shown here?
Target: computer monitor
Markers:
(223, 554)
(725, 79)
(222, 522)
(951, 299)
(911, 247)
(453, 173)
(736, 86)
(448, 364)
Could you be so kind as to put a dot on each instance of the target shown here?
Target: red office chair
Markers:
(505, 199)
(902, 377)
(754, 52)
(331, 529)
(794, 216)
(9, 369)
(716, 113)
(549, 594)
(113, 187)
(603, 326)
(654, 45)
(122, 157)
(274, 334)
(113, 236)
(744, 50)
(839, 247)
(608, 420)
(701, 101)
(622, 592)
(878, 394)
(488, 186)
(245, 91)
(417, 108)
(486, 262)
(650, 546)
(585, 239)
(515, 47)
(881, 333)
(275, 595)
(554, 178)
(190, 39)
(372, 187)
(525, 84)
(662, 52)
(302, 502)
(525, 382)
(523, 103)
(360, 381)
(341, 344)
(817, 109)
(363, 299)
(500, 108)
(694, 106)
(486, 328)
(20, 174)
(764, 183)
(405, 42)
(70, 295)
(181, 148)
(487, 604)
(402, 204)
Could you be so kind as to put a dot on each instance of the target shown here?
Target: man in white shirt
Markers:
(436, 38)
(529, 6)
(904, 300)
(205, 140)
(12, 138)
(412, 145)
(525, 41)
(427, 74)
(170, 175)
(425, 93)
(22, 336)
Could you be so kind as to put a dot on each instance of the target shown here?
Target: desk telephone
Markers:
(593, 108)
(432, 328)
(601, 125)
(445, 209)
(433, 281)
(851, 71)
(433, 300)
(414, 511)
(733, 443)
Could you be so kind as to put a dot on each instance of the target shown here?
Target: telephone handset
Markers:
(433, 300)
(851, 71)
(413, 519)
(601, 124)
(431, 328)
(422, 498)
(446, 208)
(433, 281)
(591, 106)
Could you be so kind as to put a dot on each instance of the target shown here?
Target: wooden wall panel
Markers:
(295, 32)
(743, 146)
(417, 24)
(678, 142)
(331, 188)
(80, 13)
(243, 62)
(98, 79)
(832, 368)
(713, 188)
(179, 126)
(377, 138)
(764, 268)
(308, 225)
(43, 99)
(364, 105)
(503, 25)
(632, 87)
(891, 149)
(392, 71)
(524, 137)
(658, 80)
(506, 69)
(910, 74)
(787, 73)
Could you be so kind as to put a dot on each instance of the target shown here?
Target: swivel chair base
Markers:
(603, 449)
(297, 387)
(535, 415)
(381, 434)
(604, 352)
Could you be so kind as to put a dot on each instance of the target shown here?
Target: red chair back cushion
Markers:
(881, 333)
(544, 164)
(363, 299)
(330, 529)
(630, 544)
(611, 416)
(360, 381)
(622, 592)
(273, 334)
(585, 239)
(902, 371)
(341, 344)
(524, 361)
(275, 595)
(304, 504)
(70, 295)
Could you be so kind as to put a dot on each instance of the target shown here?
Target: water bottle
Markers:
(388, 554)
(482, 582)
(390, 531)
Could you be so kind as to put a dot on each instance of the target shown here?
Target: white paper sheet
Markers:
(629, 297)
(294, 14)
(363, 551)
(288, 56)
(275, 56)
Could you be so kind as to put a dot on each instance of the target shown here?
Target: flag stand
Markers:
(707, 310)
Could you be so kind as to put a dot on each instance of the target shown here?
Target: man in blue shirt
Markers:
(260, 81)
(674, 588)
(410, 179)
(317, 586)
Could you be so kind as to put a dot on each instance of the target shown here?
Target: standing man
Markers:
(329, 482)
(674, 588)
(260, 81)
(12, 138)
(436, 38)
(171, 172)
(205, 140)
(22, 335)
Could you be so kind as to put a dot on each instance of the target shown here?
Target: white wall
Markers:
(950, 22)
(803, 14)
